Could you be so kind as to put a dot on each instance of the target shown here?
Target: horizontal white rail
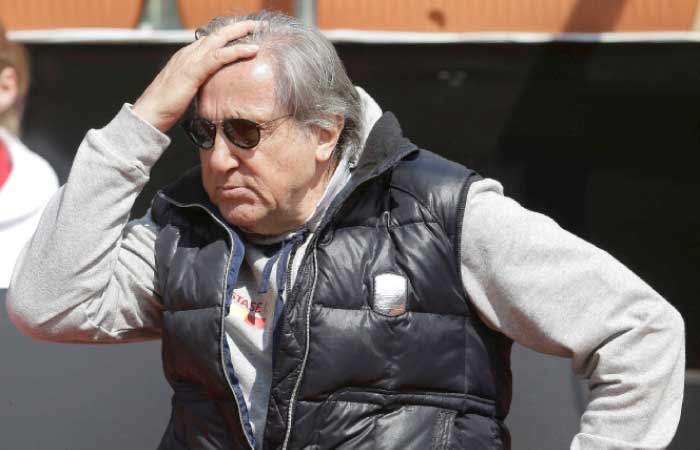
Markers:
(141, 36)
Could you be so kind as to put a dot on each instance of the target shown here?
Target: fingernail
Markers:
(249, 47)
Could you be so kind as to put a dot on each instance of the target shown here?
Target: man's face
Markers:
(272, 187)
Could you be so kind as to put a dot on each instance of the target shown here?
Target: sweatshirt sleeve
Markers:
(87, 275)
(555, 293)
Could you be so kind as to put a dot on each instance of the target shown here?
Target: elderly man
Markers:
(320, 282)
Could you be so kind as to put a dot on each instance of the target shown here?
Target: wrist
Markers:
(149, 115)
(137, 142)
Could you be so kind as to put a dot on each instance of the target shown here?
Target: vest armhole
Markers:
(458, 231)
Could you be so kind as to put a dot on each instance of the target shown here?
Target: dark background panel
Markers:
(602, 137)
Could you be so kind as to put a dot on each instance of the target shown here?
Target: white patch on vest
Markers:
(390, 294)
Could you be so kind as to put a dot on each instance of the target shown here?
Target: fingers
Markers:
(229, 33)
(216, 58)
(226, 55)
(168, 96)
(214, 52)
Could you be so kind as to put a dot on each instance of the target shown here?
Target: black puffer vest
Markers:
(348, 374)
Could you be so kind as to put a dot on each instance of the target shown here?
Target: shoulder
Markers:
(439, 184)
(489, 212)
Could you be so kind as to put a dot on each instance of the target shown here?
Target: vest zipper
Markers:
(332, 210)
(292, 400)
(223, 306)
(288, 275)
(330, 214)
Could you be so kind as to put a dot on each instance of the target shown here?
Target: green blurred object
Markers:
(160, 15)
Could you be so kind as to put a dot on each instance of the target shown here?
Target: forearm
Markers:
(635, 373)
(85, 275)
(558, 294)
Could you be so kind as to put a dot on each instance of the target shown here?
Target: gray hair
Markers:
(311, 82)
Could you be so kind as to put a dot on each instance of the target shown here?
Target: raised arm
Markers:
(88, 273)
(557, 294)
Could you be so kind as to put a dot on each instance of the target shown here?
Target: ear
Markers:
(8, 88)
(328, 139)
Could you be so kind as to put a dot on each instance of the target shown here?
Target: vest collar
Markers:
(384, 148)
(188, 189)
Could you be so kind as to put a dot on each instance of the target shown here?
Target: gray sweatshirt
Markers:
(528, 278)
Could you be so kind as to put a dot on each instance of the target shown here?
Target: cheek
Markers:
(296, 164)
(287, 176)
(207, 178)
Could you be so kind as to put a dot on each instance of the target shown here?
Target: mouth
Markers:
(233, 191)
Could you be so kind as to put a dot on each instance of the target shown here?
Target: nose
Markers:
(222, 156)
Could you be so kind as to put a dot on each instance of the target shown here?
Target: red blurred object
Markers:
(195, 13)
(553, 16)
(5, 164)
(46, 14)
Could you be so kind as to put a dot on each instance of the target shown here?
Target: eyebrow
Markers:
(255, 116)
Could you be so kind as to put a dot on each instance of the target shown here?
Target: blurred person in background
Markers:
(320, 282)
(27, 182)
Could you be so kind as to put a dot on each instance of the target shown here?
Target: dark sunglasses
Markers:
(243, 133)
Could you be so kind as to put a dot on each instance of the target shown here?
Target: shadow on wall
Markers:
(589, 16)
(521, 138)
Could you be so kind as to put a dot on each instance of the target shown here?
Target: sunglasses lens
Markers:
(241, 132)
(202, 132)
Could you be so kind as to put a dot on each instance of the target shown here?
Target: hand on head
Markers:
(166, 99)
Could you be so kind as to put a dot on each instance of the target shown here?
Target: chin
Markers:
(242, 216)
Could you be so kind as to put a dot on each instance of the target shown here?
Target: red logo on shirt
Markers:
(250, 312)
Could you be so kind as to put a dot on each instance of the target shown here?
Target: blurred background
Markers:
(586, 110)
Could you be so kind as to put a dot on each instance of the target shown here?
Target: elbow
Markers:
(22, 309)
(668, 324)
(675, 326)
(24, 315)
(18, 315)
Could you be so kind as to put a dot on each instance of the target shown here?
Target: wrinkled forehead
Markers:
(242, 89)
